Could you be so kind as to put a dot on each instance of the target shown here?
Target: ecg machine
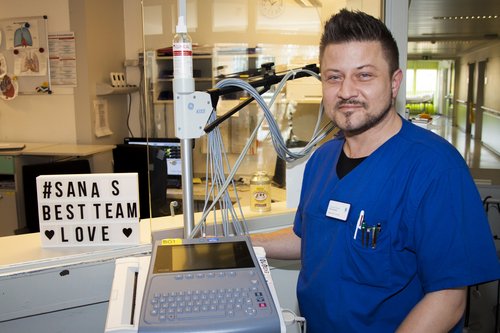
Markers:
(201, 285)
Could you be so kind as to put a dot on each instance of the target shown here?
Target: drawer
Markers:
(7, 165)
(55, 289)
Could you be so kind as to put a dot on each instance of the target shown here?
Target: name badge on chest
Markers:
(338, 210)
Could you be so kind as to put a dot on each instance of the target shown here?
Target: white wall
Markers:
(32, 118)
(132, 13)
(100, 50)
(67, 114)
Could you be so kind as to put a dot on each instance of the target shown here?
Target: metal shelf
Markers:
(103, 89)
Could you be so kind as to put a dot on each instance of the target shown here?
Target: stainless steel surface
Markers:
(430, 35)
(187, 191)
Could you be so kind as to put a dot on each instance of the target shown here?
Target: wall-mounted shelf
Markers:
(103, 89)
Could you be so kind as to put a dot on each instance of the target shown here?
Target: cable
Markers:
(129, 111)
(217, 161)
(290, 318)
(278, 141)
(142, 107)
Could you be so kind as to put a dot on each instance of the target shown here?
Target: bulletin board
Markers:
(24, 56)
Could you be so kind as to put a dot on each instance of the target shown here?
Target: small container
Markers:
(260, 192)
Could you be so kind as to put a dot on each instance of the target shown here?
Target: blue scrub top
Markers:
(434, 233)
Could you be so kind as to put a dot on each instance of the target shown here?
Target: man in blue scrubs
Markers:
(390, 228)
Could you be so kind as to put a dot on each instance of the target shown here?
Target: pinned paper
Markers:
(101, 118)
(88, 209)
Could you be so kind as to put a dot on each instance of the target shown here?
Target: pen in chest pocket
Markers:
(359, 223)
(374, 231)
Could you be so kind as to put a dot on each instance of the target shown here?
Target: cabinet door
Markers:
(72, 298)
(55, 289)
(6, 165)
(8, 211)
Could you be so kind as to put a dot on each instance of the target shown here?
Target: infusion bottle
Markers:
(182, 51)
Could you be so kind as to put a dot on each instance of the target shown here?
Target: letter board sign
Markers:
(88, 209)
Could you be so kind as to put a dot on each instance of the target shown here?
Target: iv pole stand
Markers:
(187, 157)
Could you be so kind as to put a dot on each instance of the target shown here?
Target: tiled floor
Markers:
(484, 163)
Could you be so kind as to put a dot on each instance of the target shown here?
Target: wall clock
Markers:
(271, 8)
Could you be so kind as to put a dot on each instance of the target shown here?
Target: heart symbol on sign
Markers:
(127, 231)
(49, 233)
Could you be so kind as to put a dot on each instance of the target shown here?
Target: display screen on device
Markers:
(206, 256)
(171, 147)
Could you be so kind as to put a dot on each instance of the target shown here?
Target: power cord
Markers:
(290, 318)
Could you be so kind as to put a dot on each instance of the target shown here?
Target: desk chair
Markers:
(31, 171)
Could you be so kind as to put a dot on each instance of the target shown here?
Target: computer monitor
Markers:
(158, 165)
(31, 171)
(171, 147)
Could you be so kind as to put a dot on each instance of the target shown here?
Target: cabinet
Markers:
(56, 290)
(163, 74)
(210, 64)
(236, 61)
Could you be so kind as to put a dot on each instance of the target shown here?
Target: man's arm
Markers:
(281, 244)
(438, 311)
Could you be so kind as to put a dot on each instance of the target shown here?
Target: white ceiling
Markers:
(436, 38)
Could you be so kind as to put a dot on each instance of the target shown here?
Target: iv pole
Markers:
(192, 110)
(182, 86)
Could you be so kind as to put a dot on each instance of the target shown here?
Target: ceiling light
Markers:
(473, 17)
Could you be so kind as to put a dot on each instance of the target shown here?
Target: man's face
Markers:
(357, 88)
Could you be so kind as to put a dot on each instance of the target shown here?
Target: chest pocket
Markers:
(367, 258)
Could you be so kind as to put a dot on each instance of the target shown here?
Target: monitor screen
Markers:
(207, 256)
(171, 147)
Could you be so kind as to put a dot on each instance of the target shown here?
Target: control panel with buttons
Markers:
(207, 285)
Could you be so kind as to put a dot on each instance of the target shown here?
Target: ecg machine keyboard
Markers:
(207, 285)
(216, 295)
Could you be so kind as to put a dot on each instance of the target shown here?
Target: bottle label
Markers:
(183, 61)
(182, 49)
(260, 198)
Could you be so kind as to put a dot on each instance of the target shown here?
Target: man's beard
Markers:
(370, 122)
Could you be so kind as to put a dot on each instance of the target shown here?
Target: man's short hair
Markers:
(356, 26)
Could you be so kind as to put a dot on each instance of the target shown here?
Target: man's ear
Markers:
(396, 79)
